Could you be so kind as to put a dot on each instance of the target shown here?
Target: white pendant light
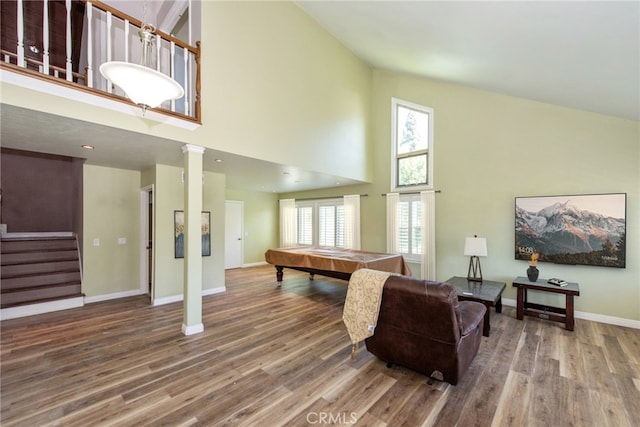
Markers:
(146, 87)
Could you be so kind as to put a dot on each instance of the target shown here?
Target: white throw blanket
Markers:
(362, 305)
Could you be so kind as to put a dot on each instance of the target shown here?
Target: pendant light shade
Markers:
(146, 87)
(143, 85)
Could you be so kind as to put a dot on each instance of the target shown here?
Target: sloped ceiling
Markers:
(578, 54)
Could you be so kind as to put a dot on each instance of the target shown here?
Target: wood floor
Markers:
(274, 356)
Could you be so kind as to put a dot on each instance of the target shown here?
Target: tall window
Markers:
(321, 222)
(412, 146)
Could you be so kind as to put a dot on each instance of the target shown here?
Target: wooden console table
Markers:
(557, 314)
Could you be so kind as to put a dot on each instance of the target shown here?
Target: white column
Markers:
(192, 319)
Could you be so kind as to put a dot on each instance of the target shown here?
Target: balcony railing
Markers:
(66, 41)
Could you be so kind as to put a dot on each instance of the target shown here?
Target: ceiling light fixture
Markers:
(146, 87)
(88, 147)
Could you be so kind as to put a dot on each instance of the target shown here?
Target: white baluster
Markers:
(185, 54)
(45, 36)
(89, 44)
(20, 30)
(69, 68)
(126, 40)
(172, 68)
(109, 85)
(158, 43)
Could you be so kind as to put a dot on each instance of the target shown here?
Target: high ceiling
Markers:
(579, 54)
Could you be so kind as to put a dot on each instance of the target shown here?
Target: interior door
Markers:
(233, 240)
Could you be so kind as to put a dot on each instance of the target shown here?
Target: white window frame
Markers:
(395, 103)
(315, 206)
(413, 254)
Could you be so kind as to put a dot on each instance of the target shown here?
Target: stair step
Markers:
(21, 270)
(33, 295)
(36, 257)
(38, 280)
(41, 300)
(39, 268)
(31, 245)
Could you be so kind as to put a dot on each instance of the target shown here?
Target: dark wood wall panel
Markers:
(41, 192)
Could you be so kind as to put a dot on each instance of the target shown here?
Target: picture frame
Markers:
(178, 232)
(588, 229)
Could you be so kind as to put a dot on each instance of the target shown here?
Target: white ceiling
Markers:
(30, 130)
(579, 54)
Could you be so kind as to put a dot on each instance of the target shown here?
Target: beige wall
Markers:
(278, 87)
(490, 148)
(260, 223)
(111, 211)
(169, 197)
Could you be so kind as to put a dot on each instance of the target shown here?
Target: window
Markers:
(305, 225)
(412, 146)
(321, 222)
(410, 227)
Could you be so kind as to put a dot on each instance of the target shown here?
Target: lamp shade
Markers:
(475, 246)
(144, 86)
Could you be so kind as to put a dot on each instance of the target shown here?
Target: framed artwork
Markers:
(178, 221)
(206, 233)
(581, 229)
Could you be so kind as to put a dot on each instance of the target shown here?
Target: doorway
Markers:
(234, 235)
(147, 227)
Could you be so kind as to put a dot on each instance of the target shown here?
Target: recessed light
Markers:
(88, 147)
(218, 160)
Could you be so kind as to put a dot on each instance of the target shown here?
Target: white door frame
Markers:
(144, 240)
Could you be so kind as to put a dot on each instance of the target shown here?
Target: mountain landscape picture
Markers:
(581, 229)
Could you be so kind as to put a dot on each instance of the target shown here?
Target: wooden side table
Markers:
(557, 314)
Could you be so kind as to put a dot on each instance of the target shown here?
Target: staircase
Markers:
(39, 269)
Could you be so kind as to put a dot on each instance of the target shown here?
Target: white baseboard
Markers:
(212, 291)
(116, 295)
(193, 329)
(40, 308)
(611, 320)
(167, 300)
(177, 298)
(254, 264)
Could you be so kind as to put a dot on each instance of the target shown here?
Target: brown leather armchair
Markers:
(423, 326)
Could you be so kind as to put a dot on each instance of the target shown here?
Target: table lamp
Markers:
(475, 247)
